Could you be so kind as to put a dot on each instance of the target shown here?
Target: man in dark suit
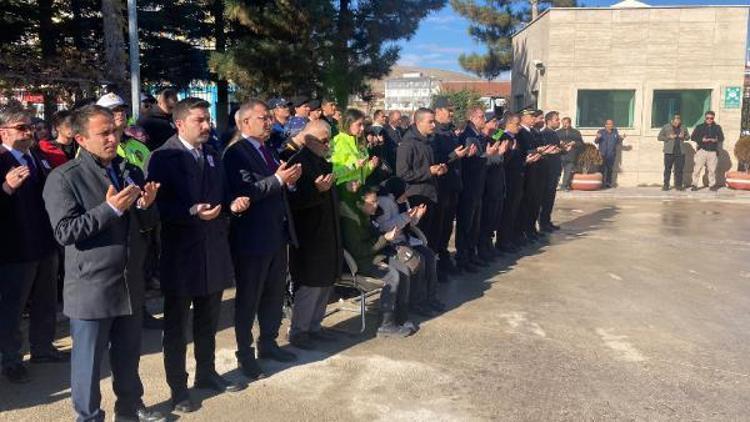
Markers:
(90, 201)
(196, 264)
(28, 253)
(553, 164)
(259, 237)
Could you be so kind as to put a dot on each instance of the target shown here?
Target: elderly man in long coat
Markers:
(316, 262)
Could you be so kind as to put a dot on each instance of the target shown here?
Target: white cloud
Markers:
(435, 48)
(441, 19)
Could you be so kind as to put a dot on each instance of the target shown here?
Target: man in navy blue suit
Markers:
(196, 265)
(259, 237)
(28, 254)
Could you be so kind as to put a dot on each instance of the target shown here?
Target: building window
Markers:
(597, 105)
(690, 104)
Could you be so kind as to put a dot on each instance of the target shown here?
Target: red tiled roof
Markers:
(484, 88)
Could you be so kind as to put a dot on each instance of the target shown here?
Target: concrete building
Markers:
(638, 65)
(410, 92)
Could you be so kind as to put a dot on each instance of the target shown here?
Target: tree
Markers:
(493, 24)
(319, 47)
(461, 101)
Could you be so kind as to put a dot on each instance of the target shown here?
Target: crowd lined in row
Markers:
(291, 186)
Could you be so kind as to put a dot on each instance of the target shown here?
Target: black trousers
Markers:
(534, 183)
(428, 222)
(608, 168)
(423, 286)
(678, 162)
(514, 182)
(92, 338)
(492, 206)
(446, 213)
(261, 281)
(468, 220)
(36, 280)
(554, 168)
(206, 311)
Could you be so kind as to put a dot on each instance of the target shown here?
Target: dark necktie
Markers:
(114, 178)
(198, 154)
(270, 162)
(30, 164)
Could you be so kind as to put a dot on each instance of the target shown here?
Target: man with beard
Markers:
(28, 253)
(196, 263)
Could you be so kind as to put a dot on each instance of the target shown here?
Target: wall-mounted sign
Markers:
(732, 97)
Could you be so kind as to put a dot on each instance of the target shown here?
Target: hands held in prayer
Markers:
(240, 205)
(461, 151)
(289, 174)
(148, 195)
(417, 213)
(472, 150)
(205, 212)
(324, 182)
(123, 199)
(15, 178)
(392, 234)
(438, 169)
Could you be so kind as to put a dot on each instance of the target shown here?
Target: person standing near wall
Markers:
(607, 139)
(673, 135)
(707, 137)
(572, 142)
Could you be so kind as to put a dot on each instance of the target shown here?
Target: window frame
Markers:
(633, 108)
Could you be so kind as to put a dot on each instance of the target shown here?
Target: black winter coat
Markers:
(195, 256)
(318, 258)
(414, 158)
(444, 143)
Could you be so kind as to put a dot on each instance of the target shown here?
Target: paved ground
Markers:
(637, 310)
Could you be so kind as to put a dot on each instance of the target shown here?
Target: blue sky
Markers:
(443, 36)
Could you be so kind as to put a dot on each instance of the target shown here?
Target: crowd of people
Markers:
(292, 185)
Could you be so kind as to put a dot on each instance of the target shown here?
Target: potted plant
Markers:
(587, 176)
(740, 179)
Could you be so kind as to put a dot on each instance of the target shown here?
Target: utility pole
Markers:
(135, 60)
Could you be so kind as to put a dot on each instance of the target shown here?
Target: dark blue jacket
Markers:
(25, 227)
(473, 169)
(268, 224)
(195, 257)
(444, 142)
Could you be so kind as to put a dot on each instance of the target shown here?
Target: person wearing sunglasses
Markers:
(28, 253)
(707, 137)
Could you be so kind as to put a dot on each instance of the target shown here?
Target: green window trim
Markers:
(594, 106)
(690, 104)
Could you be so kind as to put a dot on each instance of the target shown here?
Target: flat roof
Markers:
(711, 6)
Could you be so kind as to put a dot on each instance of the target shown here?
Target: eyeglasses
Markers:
(22, 127)
(709, 118)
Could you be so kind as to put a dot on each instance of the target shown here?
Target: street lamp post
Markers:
(135, 60)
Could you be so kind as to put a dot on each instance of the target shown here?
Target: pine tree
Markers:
(319, 47)
(493, 23)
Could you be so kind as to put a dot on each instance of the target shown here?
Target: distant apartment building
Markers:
(410, 92)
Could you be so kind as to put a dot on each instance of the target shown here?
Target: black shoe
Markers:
(50, 356)
(553, 226)
(250, 368)
(479, 262)
(323, 335)
(508, 249)
(184, 406)
(693, 188)
(274, 352)
(16, 374)
(301, 341)
(437, 305)
(547, 229)
(665, 188)
(182, 403)
(150, 322)
(680, 188)
(446, 265)
(214, 381)
(714, 188)
(140, 415)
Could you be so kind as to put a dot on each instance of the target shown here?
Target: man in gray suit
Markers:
(90, 201)
(674, 135)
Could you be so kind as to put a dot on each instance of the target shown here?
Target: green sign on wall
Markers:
(732, 97)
